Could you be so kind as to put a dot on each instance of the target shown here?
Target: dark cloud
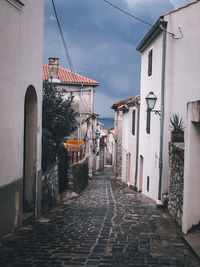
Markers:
(102, 42)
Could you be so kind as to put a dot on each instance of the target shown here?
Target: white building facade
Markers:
(130, 135)
(169, 69)
(21, 53)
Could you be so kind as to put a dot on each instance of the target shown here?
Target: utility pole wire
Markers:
(127, 13)
(63, 40)
(141, 20)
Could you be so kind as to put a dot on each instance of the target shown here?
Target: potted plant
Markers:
(177, 126)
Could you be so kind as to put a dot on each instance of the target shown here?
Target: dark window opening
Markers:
(133, 122)
(147, 183)
(150, 60)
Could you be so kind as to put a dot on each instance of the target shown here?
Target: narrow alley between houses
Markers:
(108, 224)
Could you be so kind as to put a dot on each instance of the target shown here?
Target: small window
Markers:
(133, 122)
(150, 60)
(147, 183)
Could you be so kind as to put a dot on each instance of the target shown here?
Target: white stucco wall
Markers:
(182, 69)
(182, 81)
(125, 144)
(21, 53)
(191, 199)
(149, 143)
(129, 146)
(132, 139)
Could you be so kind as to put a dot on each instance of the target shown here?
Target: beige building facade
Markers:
(21, 53)
(82, 89)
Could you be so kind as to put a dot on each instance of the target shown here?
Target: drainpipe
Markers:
(137, 140)
(162, 111)
(80, 132)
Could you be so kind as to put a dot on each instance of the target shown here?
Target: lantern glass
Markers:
(151, 100)
(97, 134)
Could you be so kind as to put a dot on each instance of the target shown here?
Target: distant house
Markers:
(130, 135)
(82, 89)
(117, 163)
(169, 69)
(21, 52)
(111, 144)
(126, 139)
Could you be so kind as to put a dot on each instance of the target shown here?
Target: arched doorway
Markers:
(30, 150)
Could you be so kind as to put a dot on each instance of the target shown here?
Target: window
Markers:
(147, 183)
(17, 3)
(150, 60)
(133, 122)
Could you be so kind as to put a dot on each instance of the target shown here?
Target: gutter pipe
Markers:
(137, 140)
(162, 110)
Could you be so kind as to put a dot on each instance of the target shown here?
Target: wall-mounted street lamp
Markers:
(96, 143)
(97, 133)
(151, 101)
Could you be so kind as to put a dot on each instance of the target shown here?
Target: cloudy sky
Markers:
(102, 42)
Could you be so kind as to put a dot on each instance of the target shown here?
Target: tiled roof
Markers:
(120, 103)
(192, 3)
(66, 76)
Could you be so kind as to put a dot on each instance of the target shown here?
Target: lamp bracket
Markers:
(157, 112)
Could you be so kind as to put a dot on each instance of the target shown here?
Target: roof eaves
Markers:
(180, 8)
(152, 33)
(79, 83)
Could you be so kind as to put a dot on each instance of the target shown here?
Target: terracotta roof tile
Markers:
(192, 3)
(67, 76)
(122, 102)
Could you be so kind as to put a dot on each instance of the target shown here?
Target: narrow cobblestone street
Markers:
(107, 225)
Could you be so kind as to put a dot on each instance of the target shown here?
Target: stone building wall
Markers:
(176, 180)
(50, 188)
(101, 154)
(124, 165)
(119, 158)
(80, 175)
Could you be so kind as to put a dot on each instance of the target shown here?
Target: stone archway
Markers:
(30, 150)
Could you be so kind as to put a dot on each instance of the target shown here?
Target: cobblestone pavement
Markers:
(107, 225)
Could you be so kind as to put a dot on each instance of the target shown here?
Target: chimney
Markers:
(53, 69)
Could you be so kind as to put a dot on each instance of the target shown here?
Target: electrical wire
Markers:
(130, 15)
(127, 13)
(63, 40)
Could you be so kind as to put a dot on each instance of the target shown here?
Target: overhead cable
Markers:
(127, 13)
(63, 40)
(141, 20)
